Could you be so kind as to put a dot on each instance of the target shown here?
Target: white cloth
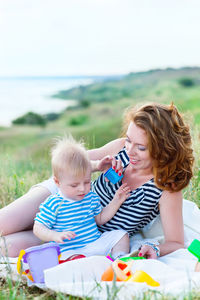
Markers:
(81, 277)
(48, 184)
(102, 246)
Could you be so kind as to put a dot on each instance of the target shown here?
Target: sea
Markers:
(24, 94)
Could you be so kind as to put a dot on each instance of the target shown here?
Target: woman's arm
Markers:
(102, 158)
(111, 148)
(172, 223)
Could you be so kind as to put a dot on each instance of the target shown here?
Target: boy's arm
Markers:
(47, 235)
(110, 210)
(42, 232)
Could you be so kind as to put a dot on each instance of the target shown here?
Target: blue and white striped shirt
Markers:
(60, 214)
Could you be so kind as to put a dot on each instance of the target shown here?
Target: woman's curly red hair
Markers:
(169, 143)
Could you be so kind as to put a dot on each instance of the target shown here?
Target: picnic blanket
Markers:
(174, 272)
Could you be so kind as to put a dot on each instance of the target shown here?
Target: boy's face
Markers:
(73, 187)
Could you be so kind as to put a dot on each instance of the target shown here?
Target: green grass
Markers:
(19, 291)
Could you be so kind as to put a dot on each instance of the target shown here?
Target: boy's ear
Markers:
(56, 180)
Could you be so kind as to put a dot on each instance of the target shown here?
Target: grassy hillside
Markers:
(24, 150)
(155, 85)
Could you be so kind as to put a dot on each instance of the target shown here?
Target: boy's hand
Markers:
(59, 237)
(122, 193)
(105, 163)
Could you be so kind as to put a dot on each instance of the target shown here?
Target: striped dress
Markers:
(61, 214)
(137, 211)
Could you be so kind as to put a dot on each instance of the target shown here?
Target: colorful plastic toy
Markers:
(38, 258)
(109, 256)
(72, 257)
(194, 248)
(121, 271)
(141, 276)
(129, 258)
(112, 176)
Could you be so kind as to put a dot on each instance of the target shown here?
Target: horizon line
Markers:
(97, 75)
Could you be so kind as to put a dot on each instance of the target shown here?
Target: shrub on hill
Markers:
(30, 118)
(52, 116)
(78, 120)
(85, 103)
(186, 82)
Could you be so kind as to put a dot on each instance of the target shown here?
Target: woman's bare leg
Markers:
(19, 215)
(11, 244)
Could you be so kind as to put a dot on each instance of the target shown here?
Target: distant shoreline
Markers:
(95, 77)
(33, 94)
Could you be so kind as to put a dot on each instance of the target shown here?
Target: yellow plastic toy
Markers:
(20, 267)
(141, 276)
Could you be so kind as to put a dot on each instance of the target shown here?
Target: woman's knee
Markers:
(13, 243)
(22, 211)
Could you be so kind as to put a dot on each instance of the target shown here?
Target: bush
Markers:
(52, 116)
(85, 103)
(78, 120)
(186, 82)
(30, 118)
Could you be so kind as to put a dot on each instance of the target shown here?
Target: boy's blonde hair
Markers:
(69, 156)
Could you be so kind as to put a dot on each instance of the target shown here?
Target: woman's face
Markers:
(137, 148)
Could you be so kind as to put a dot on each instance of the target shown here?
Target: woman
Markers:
(157, 159)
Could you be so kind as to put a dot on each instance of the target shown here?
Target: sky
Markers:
(97, 37)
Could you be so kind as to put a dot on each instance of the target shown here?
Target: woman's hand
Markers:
(108, 162)
(117, 166)
(148, 252)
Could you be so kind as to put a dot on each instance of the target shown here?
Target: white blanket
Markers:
(174, 272)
